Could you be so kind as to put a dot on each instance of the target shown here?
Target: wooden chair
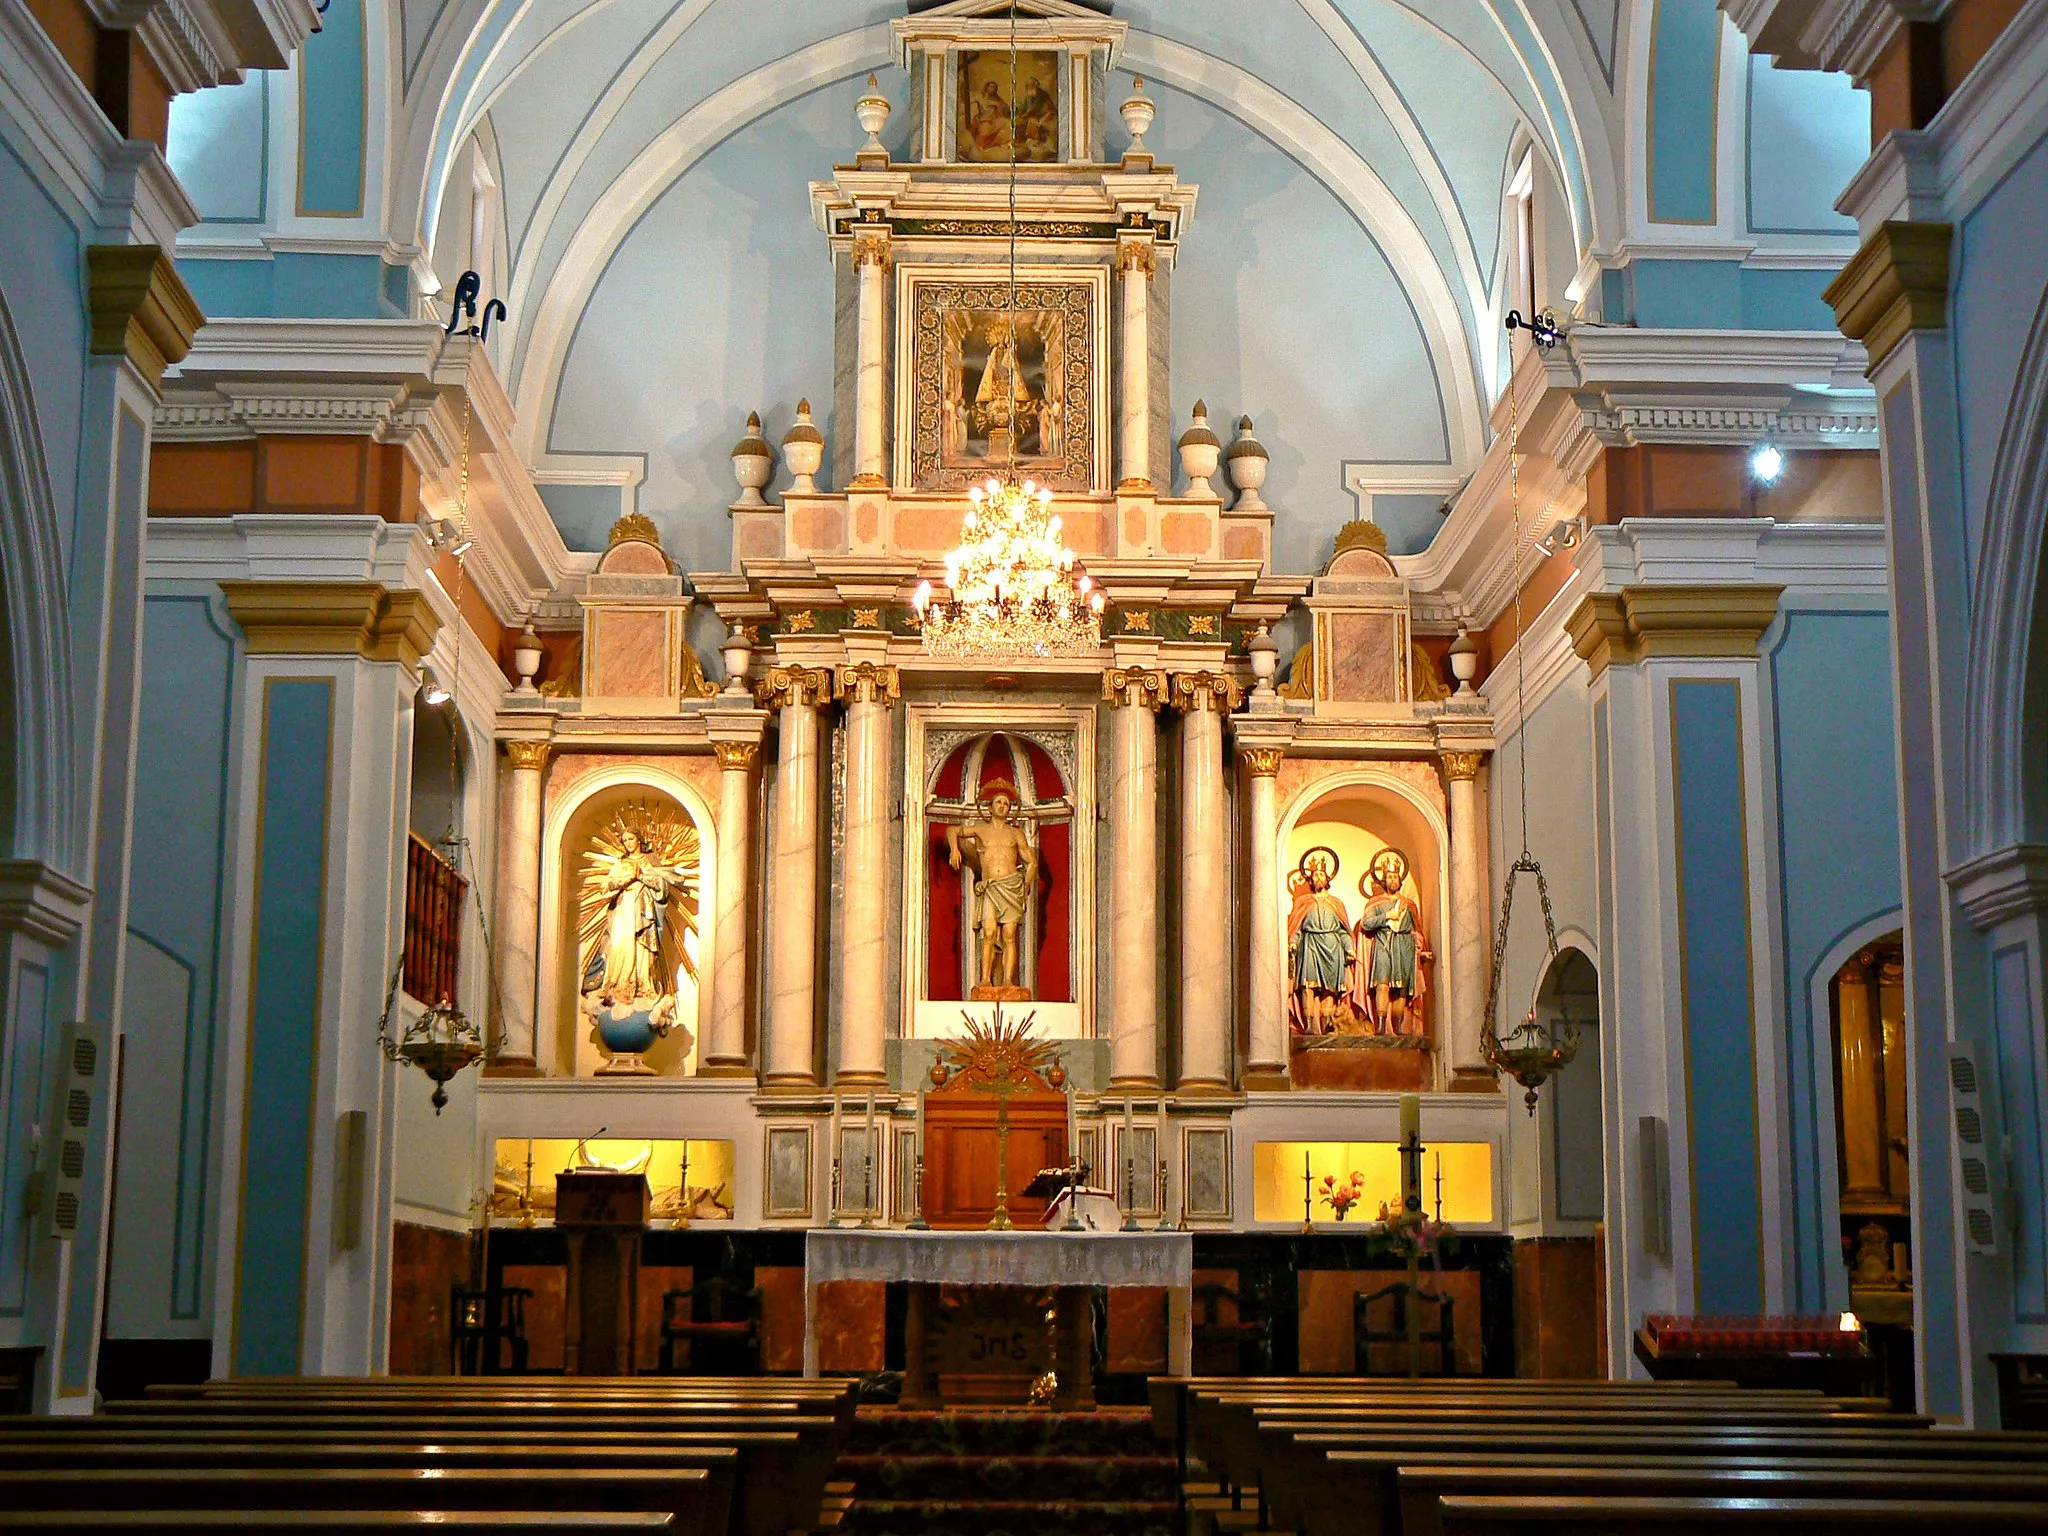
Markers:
(1364, 1335)
(1220, 1343)
(483, 1326)
(719, 1340)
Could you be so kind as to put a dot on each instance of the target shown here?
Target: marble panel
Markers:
(819, 526)
(922, 526)
(628, 657)
(1391, 1071)
(782, 1318)
(757, 538)
(1137, 1328)
(1557, 1336)
(655, 1281)
(1185, 533)
(1244, 542)
(631, 557)
(851, 1326)
(425, 1263)
(1364, 664)
(546, 1309)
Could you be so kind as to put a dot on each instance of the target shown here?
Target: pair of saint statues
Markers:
(1346, 977)
(1005, 863)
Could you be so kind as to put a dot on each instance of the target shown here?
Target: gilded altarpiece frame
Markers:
(931, 733)
(955, 314)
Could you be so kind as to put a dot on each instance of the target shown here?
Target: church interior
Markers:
(1115, 765)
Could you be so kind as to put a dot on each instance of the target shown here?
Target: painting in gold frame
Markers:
(984, 118)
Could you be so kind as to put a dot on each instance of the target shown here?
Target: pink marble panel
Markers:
(633, 558)
(1246, 541)
(757, 538)
(1365, 661)
(1185, 533)
(818, 526)
(928, 526)
(628, 658)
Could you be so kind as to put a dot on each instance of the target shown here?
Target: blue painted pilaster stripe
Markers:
(1685, 85)
(334, 96)
(1715, 984)
(284, 1024)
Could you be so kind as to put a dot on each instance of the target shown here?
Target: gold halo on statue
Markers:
(1330, 861)
(990, 788)
(1380, 860)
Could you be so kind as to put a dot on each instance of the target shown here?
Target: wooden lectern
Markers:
(602, 1215)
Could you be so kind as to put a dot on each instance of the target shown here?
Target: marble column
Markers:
(869, 691)
(725, 1051)
(788, 1049)
(871, 264)
(1134, 693)
(1266, 1066)
(1467, 944)
(519, 908)
(1135, 255)
(1206, 974)
(1862, 1059)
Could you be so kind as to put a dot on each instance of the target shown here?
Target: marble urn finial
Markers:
(1464, 654)
(872, 112)
(803, 450)
(526, 658)
(1199, 450)
(753, 463)
(1245, 462)
(1264, 652)
(1138, 110)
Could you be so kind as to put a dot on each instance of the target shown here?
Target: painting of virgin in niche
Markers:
(1002, 388)
(983, 128)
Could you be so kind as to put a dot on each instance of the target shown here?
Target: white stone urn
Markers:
(753, 463)
(1199, 451)
(1138, 110)
(1464, 654)
(1245, 462)
(526, 655)
(737, 652)
(1264, 652)
(803, 450)
(871, 112)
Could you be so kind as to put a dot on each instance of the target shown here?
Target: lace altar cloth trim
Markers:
(1003, 1258)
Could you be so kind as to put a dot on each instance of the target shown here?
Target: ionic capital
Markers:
(736, 756)
(794, 688)
(1263, 762)
(869, 682)
(1206, 690)
(1462, 765)
(527, 756)
(1136, 254)
(1140, 686)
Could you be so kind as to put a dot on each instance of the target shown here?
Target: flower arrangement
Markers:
(1341, 1197)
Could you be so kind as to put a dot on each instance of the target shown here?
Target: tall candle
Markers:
(835, 1196)
(871, 1159)
(1411, 1117)
(1130, 1136)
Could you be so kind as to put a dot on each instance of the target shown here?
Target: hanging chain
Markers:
(1010, 384)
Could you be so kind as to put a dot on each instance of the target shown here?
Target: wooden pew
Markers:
(1491, 1515)
(681, 1493)
(331, 1522)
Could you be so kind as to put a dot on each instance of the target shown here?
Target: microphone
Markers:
(578, 1152)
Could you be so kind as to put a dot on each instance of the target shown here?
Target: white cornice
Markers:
(202, 43)
(1997, 115)
(2009, 883)
(395, 381)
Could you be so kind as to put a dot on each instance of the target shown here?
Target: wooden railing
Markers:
(434, 894)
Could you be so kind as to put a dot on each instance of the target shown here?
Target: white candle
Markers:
(870, 1158)
(833, 1172)
(1411, 1117)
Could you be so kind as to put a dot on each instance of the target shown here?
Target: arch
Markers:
(2008, 654)
(560, 815)
(1570, 988)
(441, 755)
(32, 588)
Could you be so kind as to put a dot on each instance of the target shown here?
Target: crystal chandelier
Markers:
(1012, 587)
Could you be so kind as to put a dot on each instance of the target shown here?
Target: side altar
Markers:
(767, 850)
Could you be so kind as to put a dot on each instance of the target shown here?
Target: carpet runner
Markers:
(1007, 1472)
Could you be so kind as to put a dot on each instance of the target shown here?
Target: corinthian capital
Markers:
(1263, 762)
(868, 682)
(871, 246)
(1462, 765)
(1136, 255)
(1206, 690)
(794, 688)
(736, 756)
(1134, 686)
(530, 756)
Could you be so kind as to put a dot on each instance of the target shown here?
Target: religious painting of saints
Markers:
(1003, 389)
(992, 126)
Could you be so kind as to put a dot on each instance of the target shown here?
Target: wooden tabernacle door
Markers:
(961, 1155)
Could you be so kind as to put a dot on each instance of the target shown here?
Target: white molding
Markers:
(41, 902)
(2002, 885)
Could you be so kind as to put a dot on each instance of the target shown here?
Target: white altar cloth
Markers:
(1162, 1259)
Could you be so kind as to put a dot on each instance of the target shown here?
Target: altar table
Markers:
(1068, 1263)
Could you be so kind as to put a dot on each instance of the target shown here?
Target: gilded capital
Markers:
(1206, 690)
(1462, 765)
(736, 756)
(527, 756)
(868, 682)
(1676, 619)
(333, 618)
(140, 308)
(794, 687)
(1136, 255)
(1135, 686)
(1895, 285)
(871, 247)
(1263, 762)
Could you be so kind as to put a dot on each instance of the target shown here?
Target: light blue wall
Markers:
(1809, 132)
(301, 284)
(1329, 369)
(283, 1024)
(334, 126)
(42, 281)
(1838, 859)
(2000, 283)
(1717, 965)
(1716, 295)
(219, 146)
(1685, 51)
(161, 1278)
